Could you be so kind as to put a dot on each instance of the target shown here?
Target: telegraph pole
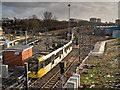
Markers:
(26, 76)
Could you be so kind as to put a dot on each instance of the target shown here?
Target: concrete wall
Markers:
(116, 34)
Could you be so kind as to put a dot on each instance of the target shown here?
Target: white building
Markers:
(1, 33)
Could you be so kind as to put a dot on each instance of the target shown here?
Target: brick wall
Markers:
(26, 54)
(10, 58)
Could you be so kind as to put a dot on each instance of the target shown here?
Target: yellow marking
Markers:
(32, 75)
(41, 59)
(16, 43)
(41, 72)
(44, 70)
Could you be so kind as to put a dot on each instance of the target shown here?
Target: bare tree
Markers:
(34, 16)
(47, 19)
(48, 16)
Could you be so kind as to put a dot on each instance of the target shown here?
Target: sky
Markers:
(107, 11)
(60, 0)
(0, 13)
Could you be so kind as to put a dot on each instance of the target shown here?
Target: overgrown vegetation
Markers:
(105, 73)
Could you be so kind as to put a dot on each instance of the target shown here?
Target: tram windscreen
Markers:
(33, 65)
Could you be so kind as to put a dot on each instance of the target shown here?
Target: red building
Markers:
(17, 55)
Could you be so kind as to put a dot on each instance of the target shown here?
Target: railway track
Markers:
(35, 83)
(50, 79)
(39, 83)
(47, 81)
(53, 82)
(8, 82)
(58, 83)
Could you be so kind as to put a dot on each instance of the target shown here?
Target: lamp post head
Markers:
(68, 5)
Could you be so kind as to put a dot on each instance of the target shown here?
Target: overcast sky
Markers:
(107, 11)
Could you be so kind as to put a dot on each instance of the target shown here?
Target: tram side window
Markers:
(41, 64)
(70, 46)
(60, 53)
(33, 65)
(57, 55)
(10, 44)
(4, 46)
(47, 61)
(52, 58)
(66, 49)
(0, 47)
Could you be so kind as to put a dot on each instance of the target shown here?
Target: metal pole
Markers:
(81, 50)
(47, 41)
(62, 81)
(26, 75)
(69, 22)
(26, 37)
(2, 60)
(79, 47)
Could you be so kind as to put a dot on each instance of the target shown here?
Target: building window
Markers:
(17, 53)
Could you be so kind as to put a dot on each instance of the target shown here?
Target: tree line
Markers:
(48, 22)
(34, 24)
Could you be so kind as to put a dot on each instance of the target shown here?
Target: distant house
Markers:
(17, 55)
(117, 22)
(98, 20)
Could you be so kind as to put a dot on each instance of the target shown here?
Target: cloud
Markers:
(60, 1)
(82, 10)
(0, 10)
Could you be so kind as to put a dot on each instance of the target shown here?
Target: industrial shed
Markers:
(17, 55)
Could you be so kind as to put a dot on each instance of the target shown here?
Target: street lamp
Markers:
(69, 22)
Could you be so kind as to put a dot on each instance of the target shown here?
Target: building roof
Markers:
(115, 28)
(19, 48)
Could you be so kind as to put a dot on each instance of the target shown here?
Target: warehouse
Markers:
(115, 32)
